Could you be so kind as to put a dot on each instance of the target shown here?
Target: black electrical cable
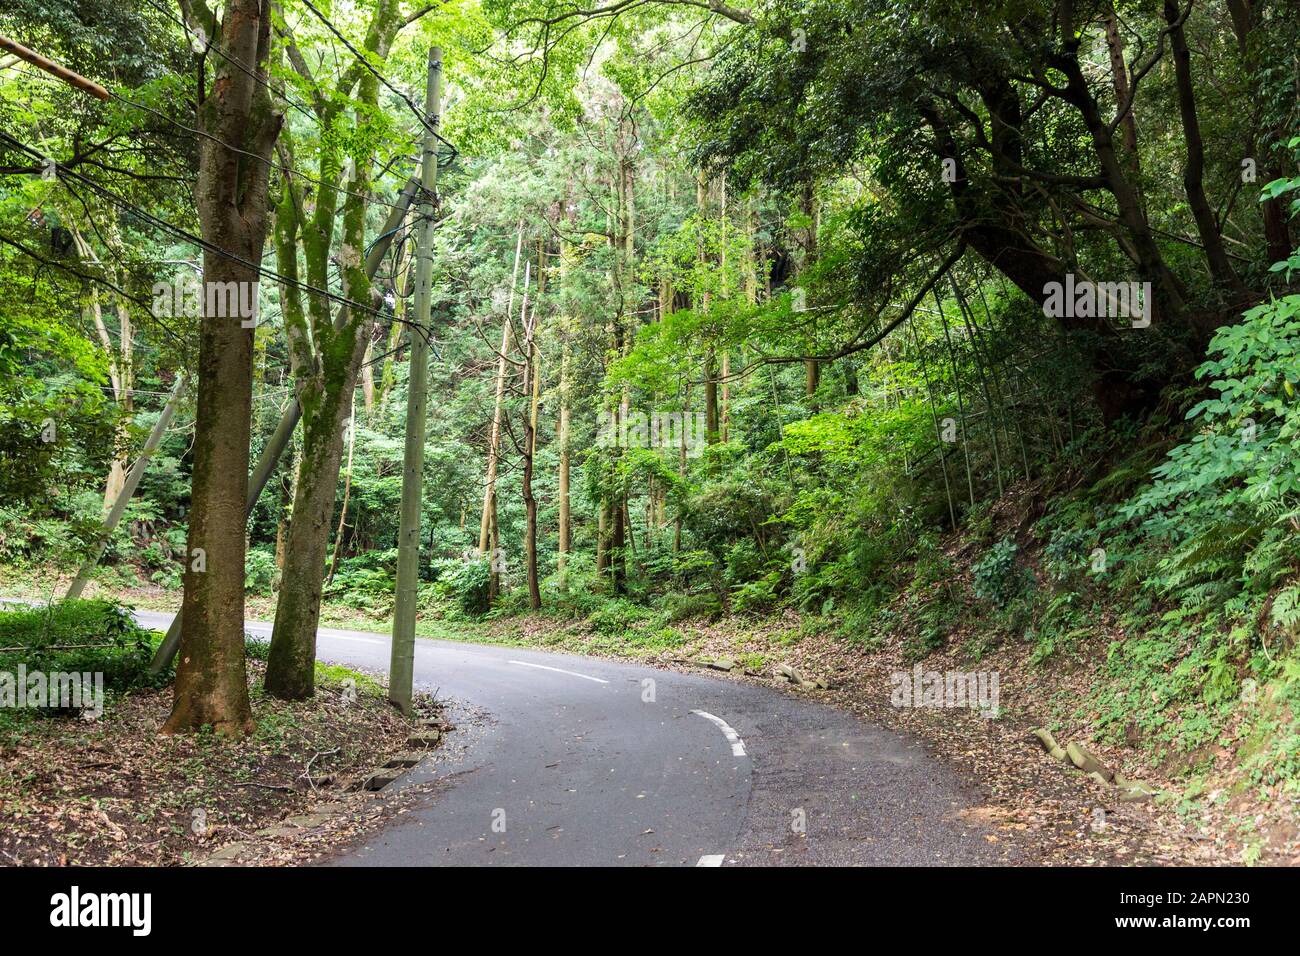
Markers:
(419, 114)
(190, 237)
(211, 44)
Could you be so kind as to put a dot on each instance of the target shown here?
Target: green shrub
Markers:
(743, 562)
(578, 594)
(675, 607)
(1224, 505)
(366, 581)
(997, 577)
(259, 571)
(618, 616)
(757, 595)
(465, 582)
(169, 578)
(1066, 555)
(97, 637)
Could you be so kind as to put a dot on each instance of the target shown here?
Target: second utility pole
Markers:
(401, 668)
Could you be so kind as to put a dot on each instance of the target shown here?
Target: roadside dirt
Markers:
(115, 792)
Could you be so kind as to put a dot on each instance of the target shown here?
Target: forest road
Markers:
(559, 760)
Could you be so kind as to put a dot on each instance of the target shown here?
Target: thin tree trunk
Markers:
(934, 417)
(564, 543)
(347, 492)
(532, 388)
(564, 327)
(961, 401)
(602, 537)
(119, 370)
(388, 376)
(1194, 171)
(808, 205)
(1119, 80)
(494, 441)
(368, 380)
(327, 355)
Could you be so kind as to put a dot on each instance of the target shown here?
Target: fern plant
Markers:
(1224, 502)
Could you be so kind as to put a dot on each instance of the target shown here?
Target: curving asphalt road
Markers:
(573, 761)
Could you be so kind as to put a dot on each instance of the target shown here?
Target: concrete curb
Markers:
(422, 741)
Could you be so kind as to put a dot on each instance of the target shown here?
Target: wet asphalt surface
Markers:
(560, 760)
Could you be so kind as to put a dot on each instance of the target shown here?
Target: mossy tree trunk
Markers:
(231, 196)
(325, 353)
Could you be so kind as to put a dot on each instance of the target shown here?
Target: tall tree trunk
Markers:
(565, 533)
(211, 686)
(602, 537)
(494, 440)
(565, 542)
(1194, 170)
(1277, 234)
(326, 356)
(681, 462)
(1120, 83)
(712, 426)
(565, 327)
(494, 548)
(291, 667)
(532, 389)
(702, 302)
(618, 545)
(808, 206)
(724, 396)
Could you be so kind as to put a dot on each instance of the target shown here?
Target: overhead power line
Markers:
(210, 44)
(430, 127)
(287, 170)
(189, 237)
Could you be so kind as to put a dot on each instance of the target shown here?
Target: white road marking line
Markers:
(711, 859)
(558, 670)
(354, 640)
(737, 745)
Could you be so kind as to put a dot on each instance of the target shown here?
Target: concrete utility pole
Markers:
(128, 489)
(402, 666)
(283, 433)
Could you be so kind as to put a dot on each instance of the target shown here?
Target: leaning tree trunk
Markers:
(326, 355)
(211, 686)
(290, 669)
(119, 372)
